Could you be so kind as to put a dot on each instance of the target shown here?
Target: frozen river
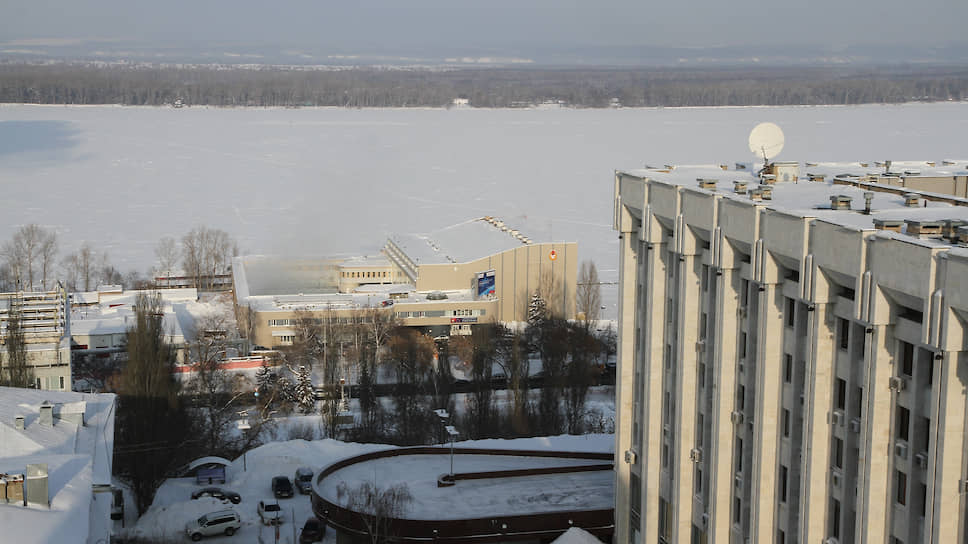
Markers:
(318, 181)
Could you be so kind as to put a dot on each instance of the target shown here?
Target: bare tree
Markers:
(513, 357)
(205, 254)
(30, 247)
(588, 296)
(167, 254)
(378, 508)
(48, 254)
(412, 355)
(18, 371)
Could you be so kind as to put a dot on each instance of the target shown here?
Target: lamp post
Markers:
(451, 433)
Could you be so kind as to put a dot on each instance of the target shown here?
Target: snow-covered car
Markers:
(313, 531)
(270, 513)
(225, 522)
(218, 493)
(303, 480)
(281, 487)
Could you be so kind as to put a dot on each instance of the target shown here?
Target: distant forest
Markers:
(263, 86)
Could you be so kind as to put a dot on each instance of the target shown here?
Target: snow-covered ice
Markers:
(322, 181)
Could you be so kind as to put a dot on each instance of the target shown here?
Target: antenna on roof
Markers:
(766, 141)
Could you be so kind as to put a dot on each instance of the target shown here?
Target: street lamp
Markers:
(453, 434)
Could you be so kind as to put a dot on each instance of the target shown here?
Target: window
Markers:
(784, 474)
(859, 398)
(907, 359)
(742, 345)
(786, 423)
(925, 433)
(790, 311)
(844, 333)
(903, 422)
(740, 397)
(835, 518)
(841, 394)
(700, 424)
(62, 382)
(698, 482)
(900, 479)
(702, 326)
(737, 509)
(788, 368)
(702, 375)
(780, 536)
(923, 498)
(739, 455)
(838, 453)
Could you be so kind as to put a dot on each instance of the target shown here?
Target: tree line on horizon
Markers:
(269, 86)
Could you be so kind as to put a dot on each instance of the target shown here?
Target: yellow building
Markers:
(443, 282)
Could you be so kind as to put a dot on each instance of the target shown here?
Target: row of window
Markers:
(373, 274)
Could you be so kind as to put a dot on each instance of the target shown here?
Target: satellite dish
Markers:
(766, 141)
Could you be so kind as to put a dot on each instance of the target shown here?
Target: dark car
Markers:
(281, 487)
(218, 493)
(313, 531)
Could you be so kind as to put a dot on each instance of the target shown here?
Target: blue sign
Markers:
(485, 284)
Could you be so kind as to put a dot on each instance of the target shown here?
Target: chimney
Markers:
(923, 228)
(815, 177)
(46, 414)
(756, 194)
(739, 186)
(18, 422)
(951, 228)
(840, 202)
(707, 183)
(868, 198)
(767, 192)
(912, 200)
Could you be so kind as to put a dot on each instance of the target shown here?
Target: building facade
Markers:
(44, 319)
(792, 358)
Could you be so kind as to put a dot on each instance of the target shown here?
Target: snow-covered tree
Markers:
(537, 309)
(304, 392)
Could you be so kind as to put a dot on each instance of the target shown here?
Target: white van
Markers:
(225, 522)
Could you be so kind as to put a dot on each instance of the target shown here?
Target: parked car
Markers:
(218, 493)
(281, 487)
(270, 513)
(313, 531)
(304, 480)
(225, 522)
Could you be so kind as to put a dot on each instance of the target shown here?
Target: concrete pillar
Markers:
(688, 298)
(766, 445)
(945, 509)
(817, 405)
(876, 461)
(723, 360)
(624, 378)
(652, 321)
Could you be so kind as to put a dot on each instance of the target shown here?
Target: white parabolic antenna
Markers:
(766, 141)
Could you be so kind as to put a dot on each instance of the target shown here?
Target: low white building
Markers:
(70, 436)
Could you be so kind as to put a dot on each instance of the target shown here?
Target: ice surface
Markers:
(325, 181)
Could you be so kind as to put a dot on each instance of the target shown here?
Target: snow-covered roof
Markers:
(576, 535)
(469, 240)
(806, 198)
(78, 457)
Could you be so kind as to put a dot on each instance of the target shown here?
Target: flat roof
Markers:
(805, 198)
(478, 498)
(470, 240)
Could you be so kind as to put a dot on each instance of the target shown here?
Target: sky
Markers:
(504, 25)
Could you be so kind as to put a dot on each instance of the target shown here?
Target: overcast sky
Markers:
(504, 24)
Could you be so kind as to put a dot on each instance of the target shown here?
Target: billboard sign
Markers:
(486, 284)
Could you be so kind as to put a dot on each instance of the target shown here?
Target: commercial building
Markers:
(443, 282)
(793, 355)
(44, 321)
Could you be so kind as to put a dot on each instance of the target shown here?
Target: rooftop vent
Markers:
(888, 224)
(707, 183)
(767, 192)
(768, 178)
(724, 167)
(951, 227)
(18, 422)
(912, 172)
(740, 166)
(739, 186)
(930, 163)
(756, 194)
(912, 200)
(815, 177)
(46, 414)
(868, 199)
(840, 202)
(924, 228)
(961, 235)
(947, 163)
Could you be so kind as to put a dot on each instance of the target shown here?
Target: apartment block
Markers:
(793, 356)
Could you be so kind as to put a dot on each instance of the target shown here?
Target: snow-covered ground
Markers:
(250, 477)
(326, 180)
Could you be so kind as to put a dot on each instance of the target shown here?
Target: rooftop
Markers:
(468, 241)
(811, 195)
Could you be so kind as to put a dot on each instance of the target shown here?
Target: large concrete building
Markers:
(793, 355)
(45, 322)
(443, 282)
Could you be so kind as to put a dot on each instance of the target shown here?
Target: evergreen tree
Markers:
(305, 393)
(537, 309)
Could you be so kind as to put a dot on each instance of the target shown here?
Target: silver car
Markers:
(225, 522)
(303, 480)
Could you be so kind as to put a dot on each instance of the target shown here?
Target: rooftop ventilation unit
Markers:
(924, 228)
(707, 183)
(739, 187)
(868, 200)
(912, 200)
(840, 202)
(46, 414)
(18, 422)
(756, 194)
(816, 177)
(767, 192)
(889, 224)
